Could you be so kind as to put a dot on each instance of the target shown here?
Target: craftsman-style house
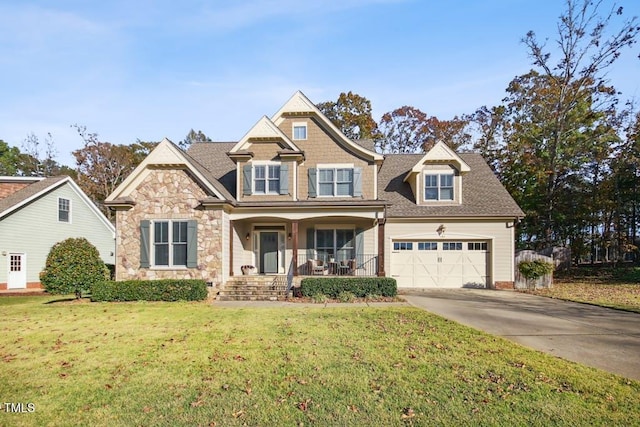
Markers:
(296, 197)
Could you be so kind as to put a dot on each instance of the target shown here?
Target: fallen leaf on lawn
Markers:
(407, 413)
(303, 406)
(353, 408)
(238, 414)
(146, 409)
(239, 358)
(197, 403)
(248, 391)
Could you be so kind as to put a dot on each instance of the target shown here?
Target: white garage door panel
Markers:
(461, 266)
(412, 269)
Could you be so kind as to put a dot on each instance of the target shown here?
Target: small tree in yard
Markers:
(73, 265)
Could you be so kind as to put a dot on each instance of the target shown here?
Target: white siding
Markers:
(34, 229)
(499, 233)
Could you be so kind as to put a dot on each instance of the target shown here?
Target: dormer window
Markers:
(299, 131)
(438, 186)
(267, 179)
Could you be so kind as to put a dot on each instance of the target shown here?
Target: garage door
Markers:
(440, 264)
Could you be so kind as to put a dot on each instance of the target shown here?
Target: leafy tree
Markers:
(192, 137)
(558, 123)
(409, 130)
(102, 166)
(73, 265)
(351, 113)
(9, 159)
(404, 130)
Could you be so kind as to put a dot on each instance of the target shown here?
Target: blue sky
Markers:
(152, 69)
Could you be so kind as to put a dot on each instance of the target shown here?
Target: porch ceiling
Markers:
(291, 213)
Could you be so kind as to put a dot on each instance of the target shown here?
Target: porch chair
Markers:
(315, 266)
(347, 267)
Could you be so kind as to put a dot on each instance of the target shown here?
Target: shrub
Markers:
(359, 286)
(73, 266)
(346, 296)
(318, 298)
(533, 270)
(150, 290)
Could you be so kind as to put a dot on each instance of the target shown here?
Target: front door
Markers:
(17, 271)
(269, 252)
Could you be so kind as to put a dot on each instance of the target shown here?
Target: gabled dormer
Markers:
(437, 177)
(335, 167)
(265, 161)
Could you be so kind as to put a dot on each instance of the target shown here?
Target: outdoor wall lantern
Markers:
(247, 236)
(441, 230)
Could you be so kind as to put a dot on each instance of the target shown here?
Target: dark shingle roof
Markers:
(213, 156)
(208, 174)
(31, 190)
(482, 192)
(369, 144)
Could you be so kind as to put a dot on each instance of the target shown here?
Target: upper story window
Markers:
(64, 210)
(170, 243)
(335, 182)
(438, 186)
(266, 179)
(299, 131)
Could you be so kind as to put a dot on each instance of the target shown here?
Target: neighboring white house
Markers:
(35, 214)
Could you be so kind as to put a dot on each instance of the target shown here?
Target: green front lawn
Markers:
(194, 364)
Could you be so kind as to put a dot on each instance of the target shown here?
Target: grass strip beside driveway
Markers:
(193, 364)
(622, 296)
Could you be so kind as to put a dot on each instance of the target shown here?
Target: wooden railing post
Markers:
(381, 223)
(294, 242)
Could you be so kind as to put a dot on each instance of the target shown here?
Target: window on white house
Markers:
(266, 179)
(299, 131)
(64, 210)
(438, 186)
(170, 243)
(335, 182)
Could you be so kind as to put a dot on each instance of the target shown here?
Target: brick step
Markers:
(249, 298)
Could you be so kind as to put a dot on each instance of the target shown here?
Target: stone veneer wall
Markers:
(169, 194)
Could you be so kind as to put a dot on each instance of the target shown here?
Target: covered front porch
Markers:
(319, 245)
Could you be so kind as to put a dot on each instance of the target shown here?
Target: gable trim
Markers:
(299, 103)
(430, 156)
(264, 129)
(178, 160)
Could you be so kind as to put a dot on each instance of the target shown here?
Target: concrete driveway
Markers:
(595, 336)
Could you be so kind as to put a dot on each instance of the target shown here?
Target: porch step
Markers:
(254, 288)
